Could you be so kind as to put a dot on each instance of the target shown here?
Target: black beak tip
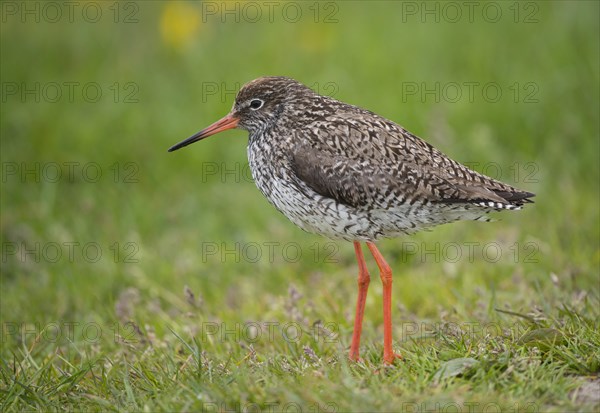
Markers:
(186, 142)
(177, 146)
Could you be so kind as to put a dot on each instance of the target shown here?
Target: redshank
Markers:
(346, 173)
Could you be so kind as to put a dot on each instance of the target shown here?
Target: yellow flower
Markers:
(316, 38)
(179, 23)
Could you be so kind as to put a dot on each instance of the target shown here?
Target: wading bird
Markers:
(346, 173)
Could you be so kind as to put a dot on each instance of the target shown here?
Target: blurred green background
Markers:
(94, 94)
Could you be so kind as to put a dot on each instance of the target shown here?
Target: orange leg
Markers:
(385, 273)
(363, 286)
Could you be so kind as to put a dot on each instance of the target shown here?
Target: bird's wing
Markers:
(377, 163)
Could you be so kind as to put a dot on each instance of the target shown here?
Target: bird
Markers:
(346, 173)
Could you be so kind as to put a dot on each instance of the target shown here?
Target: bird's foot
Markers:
(388, 359)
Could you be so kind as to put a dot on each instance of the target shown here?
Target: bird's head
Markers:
(258, 105)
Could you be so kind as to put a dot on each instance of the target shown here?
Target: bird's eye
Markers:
(256, 104)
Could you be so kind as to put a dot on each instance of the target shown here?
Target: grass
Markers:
(140, 280)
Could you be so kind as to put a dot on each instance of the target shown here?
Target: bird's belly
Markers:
(324, 216)
(307, 209)
(317, 214)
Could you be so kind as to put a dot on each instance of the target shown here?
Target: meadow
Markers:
(133, 279)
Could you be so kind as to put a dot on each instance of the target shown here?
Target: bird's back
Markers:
(349, 173)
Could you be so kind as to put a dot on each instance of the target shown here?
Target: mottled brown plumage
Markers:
(347, 173)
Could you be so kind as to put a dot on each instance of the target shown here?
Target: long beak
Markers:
(228, 122)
